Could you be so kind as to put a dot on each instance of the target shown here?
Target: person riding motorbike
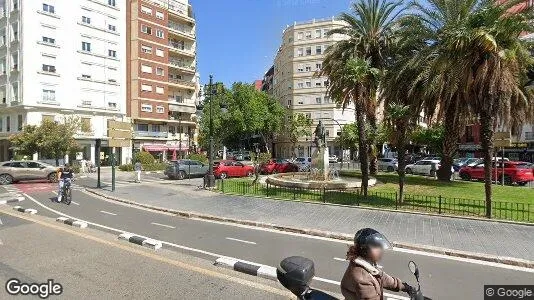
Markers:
(64, 174)
(363, 278)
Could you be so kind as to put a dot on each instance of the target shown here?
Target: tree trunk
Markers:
(363, 151)
(486, 136)
(401, 150)
(450, 144)
(373, 157)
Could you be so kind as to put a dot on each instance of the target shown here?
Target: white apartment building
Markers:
(61, 58)
(300, 90)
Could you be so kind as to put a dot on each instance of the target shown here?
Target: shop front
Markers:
(165, 151)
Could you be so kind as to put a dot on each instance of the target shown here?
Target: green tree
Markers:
(297, 126)
(432, 137)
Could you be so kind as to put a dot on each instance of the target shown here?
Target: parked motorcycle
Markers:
(296, 272)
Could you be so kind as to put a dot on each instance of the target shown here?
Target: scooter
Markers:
(296, 272)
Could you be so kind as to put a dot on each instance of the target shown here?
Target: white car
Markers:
(304, 163)
(388, 164)
(332, 159)
(423, 167)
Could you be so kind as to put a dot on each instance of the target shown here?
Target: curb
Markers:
(72, 222)
(327, 234)
(17, 198)
(247, 268)
(30, 211)
(142, 241)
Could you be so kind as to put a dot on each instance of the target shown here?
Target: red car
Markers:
(279, 166)
(229, 168)
(514, 172)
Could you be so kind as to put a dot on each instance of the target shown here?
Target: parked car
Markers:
(278, 166)
(514, 172)
(183, 168)
(424, 167)
(388, 164)
(462, 162)
(332, 159)
(304, 163)
(13, 171)
(229, 168)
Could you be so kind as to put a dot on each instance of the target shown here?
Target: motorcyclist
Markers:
(64, 174)
(363, 278)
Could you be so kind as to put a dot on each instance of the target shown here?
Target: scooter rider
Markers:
(363, 279)
(65, 173)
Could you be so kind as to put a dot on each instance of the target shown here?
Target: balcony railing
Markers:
(181, 64)
(160, 134)
(181, 47)
(529, 136)
(182, 82)
(187, 30)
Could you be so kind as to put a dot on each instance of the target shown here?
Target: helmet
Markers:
(368, 237)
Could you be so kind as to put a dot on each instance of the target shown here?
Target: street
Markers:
(210, 240)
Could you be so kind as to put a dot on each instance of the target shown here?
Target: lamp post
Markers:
(209, 179)
(180, 133)
(340, 140)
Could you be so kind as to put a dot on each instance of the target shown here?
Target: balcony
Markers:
(182, 30)
(181, 48)
(181, 83)
(529, 136)
(187, 67)
(150, 134)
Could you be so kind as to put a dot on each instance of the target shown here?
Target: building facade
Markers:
(60, 59)
(296, 84)
(162, 80)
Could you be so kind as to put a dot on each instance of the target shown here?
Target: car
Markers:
(230, 168)
(180, 169)
(278, 166)
(388, 164)
(424, 167)
(13, 171)
(304, 163)
(332, 159)
(514, 172)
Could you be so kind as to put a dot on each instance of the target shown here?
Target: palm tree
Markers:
(475, 65)
(370, 30)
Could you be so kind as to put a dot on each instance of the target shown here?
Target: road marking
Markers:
(54, 192)
(108, 213)
(1, 222)
(76, 203)
(162, 225)
(340, 259)
(241, 241)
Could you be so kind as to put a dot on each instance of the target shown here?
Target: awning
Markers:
(154, 147)
(184, 147)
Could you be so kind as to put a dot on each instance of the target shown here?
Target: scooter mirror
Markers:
(414, 269)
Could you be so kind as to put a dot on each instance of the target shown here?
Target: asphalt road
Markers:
(90, 264)
(442, 278)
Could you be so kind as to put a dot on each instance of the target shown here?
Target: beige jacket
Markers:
(364, 281)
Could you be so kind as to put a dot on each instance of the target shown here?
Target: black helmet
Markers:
(369, 237)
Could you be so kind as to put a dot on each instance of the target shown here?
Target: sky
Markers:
(237, 40)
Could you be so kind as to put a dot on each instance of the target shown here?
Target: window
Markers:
(318, 100)
(146, 10)
(20, 120)
(112, 53)
(49, 40)
(146, 88)
(318, 66)
(86, 20)
(300, 35)
(49, 8)
(112, 27)
(326, 99)
(318, 84)
(112, 105)
(146, 69)
(49, 68)
(15, 61)
(159, 15)
(159, 33)
(146, 49)
(300, 68)
(300, 85)
(1, 125)
(160, 52)
(156, 128)
(160, 90)
(308, 51)
(86, 46)
(146, 29)
(146, 108)
(318, 50)
(325, 33)
(300, 52)
(8, 123)
(111, 3)
(48, 95)
(308, 34)
(318, 33)
(160, 109)
(160, 72)
(142, 127)
(327, 132)
(308, 68)
(308, 84)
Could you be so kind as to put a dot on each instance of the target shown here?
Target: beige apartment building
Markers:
(162, 79)
(300, 90)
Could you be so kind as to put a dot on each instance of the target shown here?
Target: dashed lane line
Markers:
(108, 213)
(241, 241)
(163, 225)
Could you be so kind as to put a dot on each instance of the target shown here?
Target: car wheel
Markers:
(409, 171)
(223, 175)
(6, 179)
(390, 169)
(508, 180)
(171, 177)
(181, 175)
(522, 183)
(465, 176)
(250, 174)
(52, 177)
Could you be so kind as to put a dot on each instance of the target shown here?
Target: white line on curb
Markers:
(162, 225)
(340, 259)
(108, 213)
(241, 241)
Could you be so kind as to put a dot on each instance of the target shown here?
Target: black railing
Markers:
(522, 212)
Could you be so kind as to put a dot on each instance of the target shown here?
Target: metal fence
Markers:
(523, 212)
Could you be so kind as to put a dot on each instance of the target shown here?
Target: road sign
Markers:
(502, 143)
(116, 125)
(116, 134)
(119, 143)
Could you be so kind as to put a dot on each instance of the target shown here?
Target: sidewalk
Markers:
(491, 238)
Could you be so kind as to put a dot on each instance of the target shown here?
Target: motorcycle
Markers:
(66, 192)
(296, 272)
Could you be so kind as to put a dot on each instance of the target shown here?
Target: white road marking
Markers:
(241, 241)
(108, 213)
(1, 222)
(162, 225)
(54, 192)
(340, 259)
(76, 203)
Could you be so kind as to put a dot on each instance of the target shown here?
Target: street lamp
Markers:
(209, 179)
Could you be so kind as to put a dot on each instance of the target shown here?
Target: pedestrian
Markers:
(434, 170)
(83, 165)
(138, 168)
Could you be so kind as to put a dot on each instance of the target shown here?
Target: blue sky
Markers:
(238, 39)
